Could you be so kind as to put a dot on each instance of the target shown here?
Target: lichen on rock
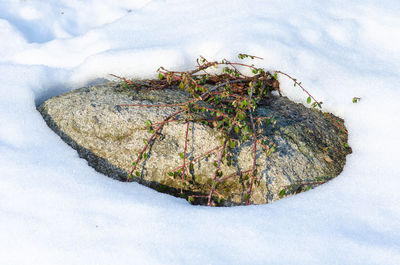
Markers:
(309, 147)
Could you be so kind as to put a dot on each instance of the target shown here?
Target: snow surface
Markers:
(55, 209)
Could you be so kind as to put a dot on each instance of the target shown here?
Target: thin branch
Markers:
(254, 150)
(299, 84)
(218, 167)
(160, 106)
(234, 67)
(315, 101)
(216, 172)
(221, 113)
(129, 82)
(150, 139)
(184, 152)
(241, 64)
(199, 157)
(335, 122)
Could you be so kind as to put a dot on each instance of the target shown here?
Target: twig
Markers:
(216, 172)
(315, 101)
(184, 152)
(129, 82)
(199, 157)
(254, 150)
(161, 106)
(218, 167)
(150, 139)
(334, 121)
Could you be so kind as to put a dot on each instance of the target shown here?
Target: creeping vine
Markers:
(232, 96)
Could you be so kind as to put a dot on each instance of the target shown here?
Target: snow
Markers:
(55, 209)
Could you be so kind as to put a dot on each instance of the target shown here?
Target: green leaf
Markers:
(282, 193)
(190, 199)
(241, 56)
(170, 174)
(160, 76)
(133, 164)
(191, 167)
(308, 100)
(273, 149)
(148, 123)
(145, 142)
(137, 173)
(317, 104)
(145, 156)
(232, 144)
(276, 76)
(181, 155)
(346, 145)
(181, 85)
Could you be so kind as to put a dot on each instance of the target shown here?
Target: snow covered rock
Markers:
(310, 148)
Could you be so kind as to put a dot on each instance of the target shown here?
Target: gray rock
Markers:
(310, 149)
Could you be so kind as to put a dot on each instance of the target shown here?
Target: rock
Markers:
(310, 149)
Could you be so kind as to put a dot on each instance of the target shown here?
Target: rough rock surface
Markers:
(309, 147)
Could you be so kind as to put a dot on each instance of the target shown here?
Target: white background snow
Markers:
(55, 209)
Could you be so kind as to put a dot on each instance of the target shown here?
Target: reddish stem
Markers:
(222, 114)
(199, 157)
(151, 138)
(337, 124)
(254, 151)
(167, 105)
(237, 70)
(216, 172)
(297, 83)
(241, 64)
(129, 82)
(184, 154)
